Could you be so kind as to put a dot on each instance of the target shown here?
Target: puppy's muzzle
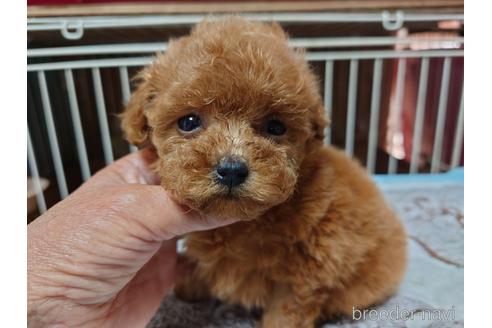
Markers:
(231, 171)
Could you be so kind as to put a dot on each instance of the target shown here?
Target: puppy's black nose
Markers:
(231, 171)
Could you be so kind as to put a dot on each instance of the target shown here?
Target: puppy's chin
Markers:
(223, 207)
(233, 206)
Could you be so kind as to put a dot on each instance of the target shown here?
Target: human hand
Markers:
(106, 255)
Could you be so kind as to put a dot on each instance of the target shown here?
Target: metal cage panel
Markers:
(375, 69)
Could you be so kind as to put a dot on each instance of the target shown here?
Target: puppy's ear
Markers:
(133, 119)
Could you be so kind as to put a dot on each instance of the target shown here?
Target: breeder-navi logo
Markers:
(398, 313)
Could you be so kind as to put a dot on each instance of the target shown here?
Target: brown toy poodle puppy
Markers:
(237, 120)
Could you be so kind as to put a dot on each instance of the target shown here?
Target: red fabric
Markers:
(74, 2)
(431, 105)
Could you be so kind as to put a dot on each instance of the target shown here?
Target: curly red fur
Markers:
(316, 237)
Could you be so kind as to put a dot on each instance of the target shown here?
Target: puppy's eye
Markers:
(189, 123)
(275, 127)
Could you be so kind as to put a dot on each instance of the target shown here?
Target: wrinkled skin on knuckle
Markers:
(107, 246)
(82, 257)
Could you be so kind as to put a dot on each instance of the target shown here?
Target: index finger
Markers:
(134, 168)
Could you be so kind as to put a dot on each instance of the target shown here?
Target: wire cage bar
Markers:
(391, 20)
(441, 115)
(33, 166)
(458, 139)
(101, 113)
(125, 89)
(328, 78)
(352, 94)
(419, 117)
(374, 120)
(400, 89)
(53, 139)
(77, 125)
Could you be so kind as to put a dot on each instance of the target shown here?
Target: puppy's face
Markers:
(231, 111)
